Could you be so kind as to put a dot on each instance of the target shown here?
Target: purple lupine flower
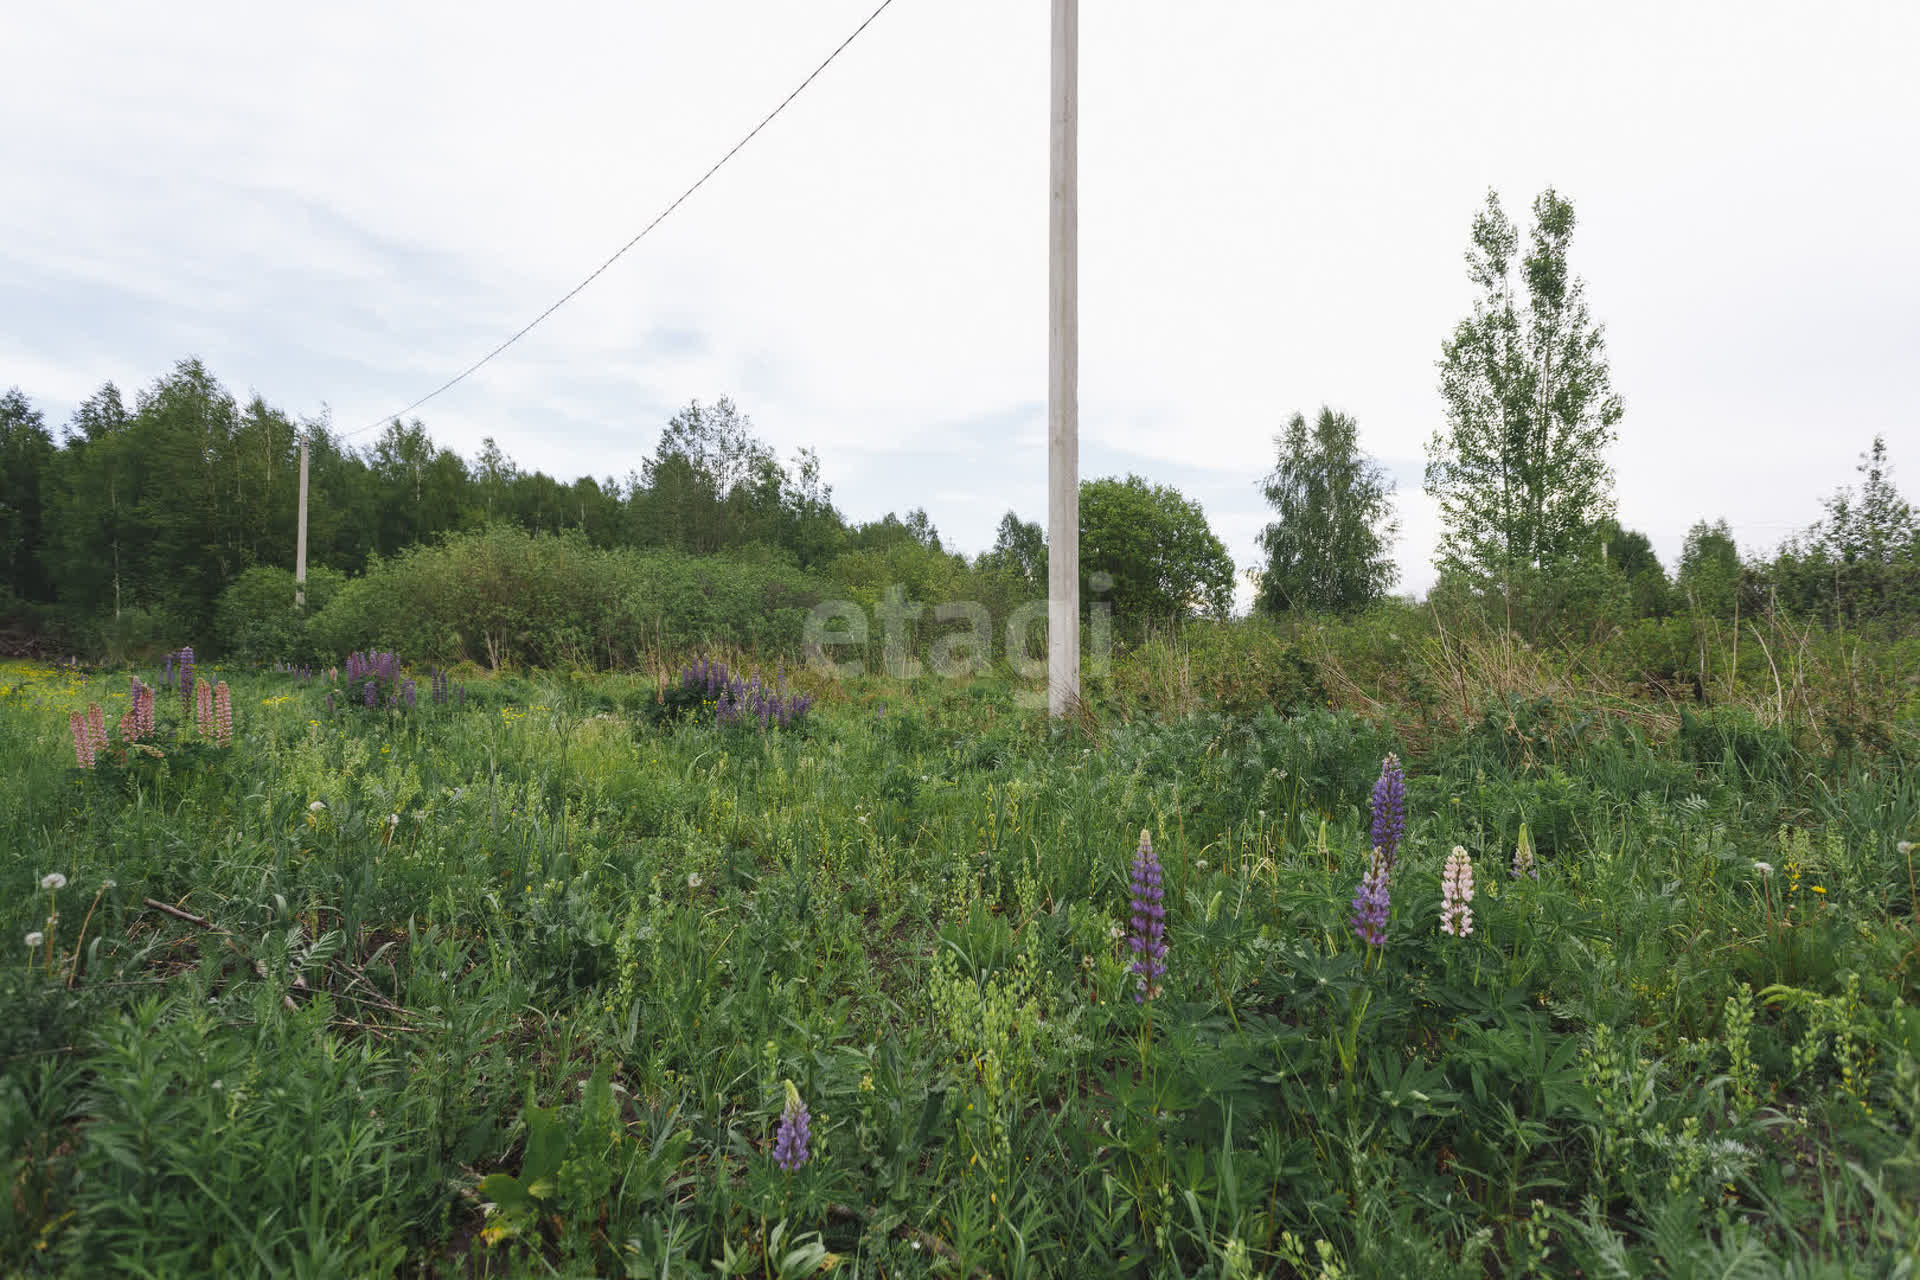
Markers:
(166, 672)
(370, 695)
(1456, 891)
(186, 673)
(790, 1142)
(1371, 902)
(408, 691)
(1147, 939)
(1389, 810)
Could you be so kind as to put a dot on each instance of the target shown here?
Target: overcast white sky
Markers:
(343, 205)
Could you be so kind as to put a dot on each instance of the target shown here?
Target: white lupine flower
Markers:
(1456, 889)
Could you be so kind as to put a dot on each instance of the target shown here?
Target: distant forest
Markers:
(127, 529)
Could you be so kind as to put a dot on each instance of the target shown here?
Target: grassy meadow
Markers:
(517, 983)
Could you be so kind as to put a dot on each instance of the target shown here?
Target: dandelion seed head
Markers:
(34, 939)
(53, 880)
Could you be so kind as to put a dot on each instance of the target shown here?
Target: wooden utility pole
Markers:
(1063, 371)
(300, 540)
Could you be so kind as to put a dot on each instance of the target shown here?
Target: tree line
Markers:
(140, 515)
(137, 519)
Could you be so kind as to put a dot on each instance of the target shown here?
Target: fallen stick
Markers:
(178, 914)
(259, 970)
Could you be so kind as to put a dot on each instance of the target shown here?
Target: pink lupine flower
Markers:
(222, 715)
(97, 727)
(82, 740)
(129, 726)
(203, 708)
(1456, 891)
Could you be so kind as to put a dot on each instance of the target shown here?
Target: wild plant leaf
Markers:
(547, 1140)
(504, 1189)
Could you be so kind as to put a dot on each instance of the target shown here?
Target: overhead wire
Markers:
(464, 374)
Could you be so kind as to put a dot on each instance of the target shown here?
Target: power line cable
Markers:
(658, 219)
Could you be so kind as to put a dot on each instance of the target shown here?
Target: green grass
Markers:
(541, 953)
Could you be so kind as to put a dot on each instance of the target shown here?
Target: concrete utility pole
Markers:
(300, 541)
(1063, 370)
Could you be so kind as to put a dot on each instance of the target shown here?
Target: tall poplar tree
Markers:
(1519, 470)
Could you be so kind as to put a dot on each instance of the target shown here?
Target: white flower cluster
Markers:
(1456, 891)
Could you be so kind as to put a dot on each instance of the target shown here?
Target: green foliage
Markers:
(567, 1167)
(500, 596)
(1154, 549)
(256, 619)
(712, 484)
(1630, 553)
(207, 1142)
(1329, 550)
(1861, 563)
(1519, 470)
(1019, 551)
(531, 952)
(26, 460)
(1709, 577)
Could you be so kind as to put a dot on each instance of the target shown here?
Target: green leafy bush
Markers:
(501, 597)
(256, 619)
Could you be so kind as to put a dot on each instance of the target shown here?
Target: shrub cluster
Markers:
(504, 597)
